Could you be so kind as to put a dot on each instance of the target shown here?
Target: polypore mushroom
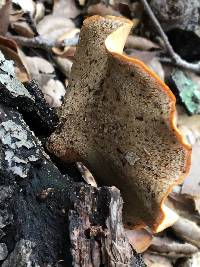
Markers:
(118, 119)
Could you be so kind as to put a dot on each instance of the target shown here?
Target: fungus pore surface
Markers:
(118, 119)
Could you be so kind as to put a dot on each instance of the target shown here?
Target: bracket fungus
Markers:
(118, 119)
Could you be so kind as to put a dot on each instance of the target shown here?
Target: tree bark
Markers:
(46, 218)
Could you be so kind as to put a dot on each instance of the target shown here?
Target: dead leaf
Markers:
(54, 92)
(102, 10)
(52, 27)
(197, 203)
(65, 8)
(187, 231)
(4, 17)
(86, 174)
(190, 127)
(171, 248)
(64, 65)
(40, 69)
(11, 51)
(26, 5)
(15, 15)
(191, 185)
(140, 43)
(81, 2)
(39, 11)
(193, 261)
(153, 260)
(23, 29)
(183, 205)
(140, 239)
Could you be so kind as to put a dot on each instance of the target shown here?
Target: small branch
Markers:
(175, 58)
(182, 64)
(43, 43)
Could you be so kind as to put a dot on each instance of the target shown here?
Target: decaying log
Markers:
(47, 219)
(96, 230)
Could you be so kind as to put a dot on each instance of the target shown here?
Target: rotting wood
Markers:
(41, 208)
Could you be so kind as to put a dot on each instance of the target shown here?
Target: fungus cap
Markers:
(118, 119)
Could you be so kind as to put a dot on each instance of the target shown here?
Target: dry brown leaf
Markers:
(11, 51)
(140, 43)
(81, 2)
(171, 248)
(140, 239)
(64, 52)
(39, 11)
(66, 83)
(65, 8)
(191, 185)
(197, 204)
(23, 29)
(102, 10)
(153, 260)
(16, 15)
(86, 174)
(190, 127)
(187, 231)
(54, 92)
(193, 261)
(52, 27)
(40, 69)
(4, 17)
(183, 205)
(64, 65)
(26, 5)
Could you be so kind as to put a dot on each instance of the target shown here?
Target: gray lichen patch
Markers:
(7, 78)
(20, 146)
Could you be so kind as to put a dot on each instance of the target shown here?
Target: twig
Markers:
(40, 42)
(175, 58)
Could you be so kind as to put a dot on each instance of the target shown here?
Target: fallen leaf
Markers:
(190, 127)
(64, 65)
(191, 185)
(187, 231)
(4, 16)
(65, 8)
(197, 203)
(52, 27)
(140, 239)
(23, 29)
(26, 5)
(11, 51)
(86, 174)
(40, 69)
(193, 261)
(54, 92)
(102, 10)
(183, 205)
(171, 248)
(153, 260)
(39, 11)
(140, 43)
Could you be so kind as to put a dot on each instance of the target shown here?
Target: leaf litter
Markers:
(60, 20)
